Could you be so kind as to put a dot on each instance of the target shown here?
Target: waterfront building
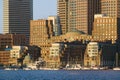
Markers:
(100, 54)
(56, 51)
(40, 33)
(27, 60)
(4, 57)
(35, 52)
(77, 14)
(105, 28)
(108, 55)
(16, 16)
(15, 54)
(92, 55)
(56, 25)
(12, 39)
(40, 36)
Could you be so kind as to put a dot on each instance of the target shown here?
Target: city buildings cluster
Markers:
(84, 32)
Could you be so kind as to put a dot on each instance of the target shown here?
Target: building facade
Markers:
(56, 25)
(62, 12)
(40, 31)
(92, 55)
(105, 28)
(4, 57)
(77, 14)
(55, 55)
(12, 39)
(16, 16)
(111, 8)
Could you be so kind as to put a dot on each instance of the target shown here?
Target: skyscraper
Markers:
(17, 15)
(77, 14)
(111, 8)
(108, 27)
(63, 14)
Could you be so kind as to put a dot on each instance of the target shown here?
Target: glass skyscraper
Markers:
(16, 16)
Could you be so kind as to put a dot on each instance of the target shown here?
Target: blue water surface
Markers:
(59, 75)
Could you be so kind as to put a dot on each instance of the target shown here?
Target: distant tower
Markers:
(17, 15)
(77, 14)
(63, 14)
(111, 8)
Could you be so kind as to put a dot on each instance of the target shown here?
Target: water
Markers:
(59, 75)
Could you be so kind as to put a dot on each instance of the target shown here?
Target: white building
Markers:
(92, 49)
(56, 49)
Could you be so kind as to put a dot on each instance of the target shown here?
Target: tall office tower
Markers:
(78, 14)
(17, 15)
(111, 8)
(63, 14)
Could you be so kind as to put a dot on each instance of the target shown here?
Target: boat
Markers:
(85, 68)
(116, 68)
(7, 69)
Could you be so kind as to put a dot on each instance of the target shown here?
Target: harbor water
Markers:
(59, 75)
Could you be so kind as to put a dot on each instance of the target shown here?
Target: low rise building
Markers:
(12, 40)
(4, 57)
(92, 55)
(100, 55)
(55, 55)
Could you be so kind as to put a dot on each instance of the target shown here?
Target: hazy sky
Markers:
(41, 9)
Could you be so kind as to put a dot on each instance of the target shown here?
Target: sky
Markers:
(41, 9)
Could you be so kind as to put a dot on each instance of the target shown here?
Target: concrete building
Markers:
(16, 16)
(111, 8)
(27, 60)
(34, 52)
(56, 25)
(77, 14)
(108, 55)
(15, 54)
(55, 55)
(62, 12)
(40, 31)
(100, 54)
(92, 55)
(46, 42)
(105, 28)
(12, 39)
(4, 57)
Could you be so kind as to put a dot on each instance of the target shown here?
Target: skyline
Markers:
(41, 9)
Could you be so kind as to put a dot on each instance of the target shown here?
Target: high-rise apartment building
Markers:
(17, 15)
(77, 14)
(63, 14)
(110, 8)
